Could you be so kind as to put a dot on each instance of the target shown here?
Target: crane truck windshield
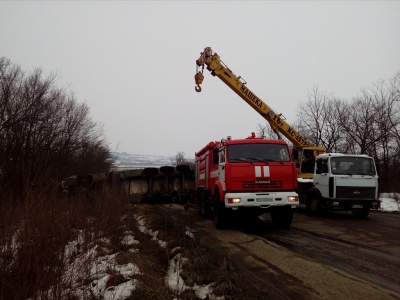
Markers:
(353, 165)
(258, 153)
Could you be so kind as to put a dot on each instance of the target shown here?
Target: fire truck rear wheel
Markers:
(220, 213)
(204, 206)
(198, 198)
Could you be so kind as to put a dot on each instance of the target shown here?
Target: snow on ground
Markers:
(390, 202)
(90, 265)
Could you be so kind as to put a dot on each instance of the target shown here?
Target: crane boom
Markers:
(212, 61)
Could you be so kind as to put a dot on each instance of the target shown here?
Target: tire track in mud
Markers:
(368, 263)
(314, 259)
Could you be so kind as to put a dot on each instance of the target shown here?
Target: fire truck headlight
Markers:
(233, 200)
(293, 199)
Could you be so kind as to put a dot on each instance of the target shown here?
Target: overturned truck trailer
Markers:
(151, 185)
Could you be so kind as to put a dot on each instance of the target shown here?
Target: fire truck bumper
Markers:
(263, 200)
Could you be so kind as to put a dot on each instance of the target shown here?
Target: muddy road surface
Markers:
(335, 256)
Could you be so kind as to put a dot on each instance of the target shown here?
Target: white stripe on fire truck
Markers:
(264, 172)
(214, 174)
(258, 171)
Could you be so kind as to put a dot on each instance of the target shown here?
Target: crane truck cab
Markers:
(246, 177)
(346, 182)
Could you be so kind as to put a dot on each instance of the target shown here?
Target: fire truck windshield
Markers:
(257, 152)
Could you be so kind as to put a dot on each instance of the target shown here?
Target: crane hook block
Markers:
(199, 80)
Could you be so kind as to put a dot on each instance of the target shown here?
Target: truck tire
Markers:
(314, 204)
(204, 206)
(150, 171)
(198, 198)
(308, 204)
(362, 213)
(282, 216)
(183, 168)
(167, 170)
(220, 213)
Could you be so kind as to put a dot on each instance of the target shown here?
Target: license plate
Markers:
(267, 199)
(357, 206)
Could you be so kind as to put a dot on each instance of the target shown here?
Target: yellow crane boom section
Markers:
(238, 85)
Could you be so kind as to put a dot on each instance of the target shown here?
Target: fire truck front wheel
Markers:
(220, 213)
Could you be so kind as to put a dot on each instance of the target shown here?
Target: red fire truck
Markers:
(248, 177)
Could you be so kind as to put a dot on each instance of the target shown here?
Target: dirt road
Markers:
(335, 256)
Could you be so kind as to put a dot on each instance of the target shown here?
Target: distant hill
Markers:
(125, 160)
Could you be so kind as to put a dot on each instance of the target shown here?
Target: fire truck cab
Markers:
(248, 177)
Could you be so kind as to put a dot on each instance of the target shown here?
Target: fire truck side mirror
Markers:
(215, 155)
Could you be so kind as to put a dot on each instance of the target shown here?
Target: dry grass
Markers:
(34, 236)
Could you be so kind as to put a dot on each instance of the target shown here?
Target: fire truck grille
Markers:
(277, 184)
(350, 192)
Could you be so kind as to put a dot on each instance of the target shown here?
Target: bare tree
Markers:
(394, 87)
(369, 124)
(266, 131)
(45, 134)
(385, 99)
(318, 120)
(358, 125)
(180, 158)
(311, 116)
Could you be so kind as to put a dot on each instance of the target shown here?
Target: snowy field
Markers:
(97, 275)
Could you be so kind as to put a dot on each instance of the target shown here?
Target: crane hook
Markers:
(199, 80)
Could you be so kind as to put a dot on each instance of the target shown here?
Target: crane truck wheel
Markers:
(282, 216)
(314, 203)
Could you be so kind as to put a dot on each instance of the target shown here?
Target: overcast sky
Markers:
(133, 62)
